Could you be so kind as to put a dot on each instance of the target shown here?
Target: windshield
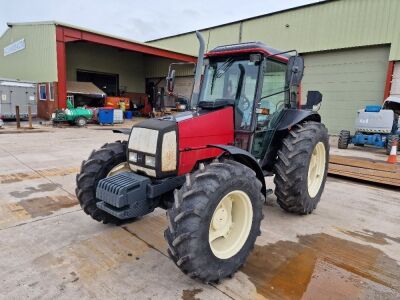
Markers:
(233, 81)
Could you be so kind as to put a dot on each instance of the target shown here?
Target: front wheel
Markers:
(215, 220)
(107, 161)
(301, 168)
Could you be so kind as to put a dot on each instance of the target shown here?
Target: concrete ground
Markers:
(349, 248)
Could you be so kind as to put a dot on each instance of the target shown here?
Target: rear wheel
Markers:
(344, 139)
(107, 161)
(215, 220)
(301, 169)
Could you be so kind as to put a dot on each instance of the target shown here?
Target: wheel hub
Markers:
(230, 224)
(221, 219)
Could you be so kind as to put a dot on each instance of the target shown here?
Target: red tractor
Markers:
(206, 166)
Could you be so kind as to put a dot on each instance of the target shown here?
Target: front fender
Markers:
(125, 131)
(244, 157)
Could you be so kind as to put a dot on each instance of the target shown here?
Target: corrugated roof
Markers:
(57, 23)
(84, 88)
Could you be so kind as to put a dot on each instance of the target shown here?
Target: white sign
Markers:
(14, 47)
(3, 97)
(31, 98)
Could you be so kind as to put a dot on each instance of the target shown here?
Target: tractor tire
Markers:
(301, 168)
(344, 139)
(201, 213)
(107, 161)
(81, 121)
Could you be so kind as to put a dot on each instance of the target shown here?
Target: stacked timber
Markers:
(365, 169)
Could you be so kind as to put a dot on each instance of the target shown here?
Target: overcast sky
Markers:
(139, 20)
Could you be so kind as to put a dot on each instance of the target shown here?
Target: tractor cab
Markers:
(261, 84)
(251, 77)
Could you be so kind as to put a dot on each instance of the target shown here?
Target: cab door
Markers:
(271, 105)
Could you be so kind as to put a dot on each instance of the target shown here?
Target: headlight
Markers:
(150, 161)
(133, 156)
(53, 115)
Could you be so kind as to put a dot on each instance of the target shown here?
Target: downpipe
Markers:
(199, 67)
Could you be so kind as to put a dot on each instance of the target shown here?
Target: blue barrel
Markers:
(128, 115)
(105, 116)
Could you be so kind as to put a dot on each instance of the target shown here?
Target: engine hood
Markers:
(173, 145)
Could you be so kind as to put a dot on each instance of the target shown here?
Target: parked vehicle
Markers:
(16, 93)
(375, 126)
(73, 115)
(206, 166)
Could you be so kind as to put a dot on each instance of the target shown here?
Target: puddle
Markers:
(44, 206)
(191, 294)
(45, 187)
(371, 236)
(17, 177)
(304, 270)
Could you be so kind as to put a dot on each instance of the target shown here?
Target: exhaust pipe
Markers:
(197, 78)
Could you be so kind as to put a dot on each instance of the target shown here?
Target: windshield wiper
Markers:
(223, 68)
(220, 71)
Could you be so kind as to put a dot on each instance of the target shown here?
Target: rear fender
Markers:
(295, 116)
(290, 118)
(244, 157)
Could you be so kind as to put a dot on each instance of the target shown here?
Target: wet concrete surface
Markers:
(349, 248)
(287, 269)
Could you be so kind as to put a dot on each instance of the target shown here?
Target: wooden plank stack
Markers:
(365, 169)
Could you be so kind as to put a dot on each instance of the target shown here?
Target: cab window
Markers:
(273, 82)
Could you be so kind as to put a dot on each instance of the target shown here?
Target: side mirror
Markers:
(313, 98)
(170, 81)
(295, 70)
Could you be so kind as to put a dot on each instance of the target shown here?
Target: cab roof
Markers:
(250, 47)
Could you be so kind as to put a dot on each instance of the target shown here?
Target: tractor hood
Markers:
(172, 145)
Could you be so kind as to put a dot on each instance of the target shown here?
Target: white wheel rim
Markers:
(81, 122)
(230, 224)
(122, 167)
(316, 169)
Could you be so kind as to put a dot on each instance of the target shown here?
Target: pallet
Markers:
(365, 169)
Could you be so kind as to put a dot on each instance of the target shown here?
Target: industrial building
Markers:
(351, 50)
(52, 54)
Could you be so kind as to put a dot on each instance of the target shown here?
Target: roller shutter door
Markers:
(395, 90)
(348, 80)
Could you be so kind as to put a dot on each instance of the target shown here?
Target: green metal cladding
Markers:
(328, 25)
(38, 61)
